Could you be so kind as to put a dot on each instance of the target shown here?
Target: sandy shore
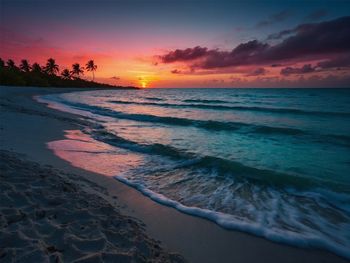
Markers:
(51, 216)
(36, 225)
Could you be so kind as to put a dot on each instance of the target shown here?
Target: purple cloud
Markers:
(257, 72)
(308, 41)
(314, 40)
(290, 70)
(244, 54)
(184, 55)
(338, 62)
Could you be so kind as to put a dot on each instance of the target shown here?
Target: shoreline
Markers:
(106, 87)
(197, 239)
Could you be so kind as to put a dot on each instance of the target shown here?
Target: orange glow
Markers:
(134, 66)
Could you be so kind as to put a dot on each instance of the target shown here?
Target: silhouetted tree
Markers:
(36, 68)
(77, 70)
(51, 67)
(65, 74)
(24, 66)
(11, 75)
(90, 66)
(2, 63)
(11, 64)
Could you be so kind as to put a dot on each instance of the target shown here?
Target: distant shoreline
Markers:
(26, 75)
(100, 86)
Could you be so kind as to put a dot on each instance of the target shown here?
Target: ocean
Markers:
(271, 162)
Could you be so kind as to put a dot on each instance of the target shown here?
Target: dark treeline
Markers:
(48, 75)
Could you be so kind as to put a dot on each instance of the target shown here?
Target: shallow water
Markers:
(272, 162)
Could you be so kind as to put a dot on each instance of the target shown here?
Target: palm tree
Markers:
(77, 70)
(24, 65)
(65, 74)
(36, 68)
(51, 67)
(11, 64)
(90, 66)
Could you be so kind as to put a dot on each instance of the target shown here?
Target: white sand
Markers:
(25, 128)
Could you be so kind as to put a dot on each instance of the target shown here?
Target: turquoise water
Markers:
(272, 162)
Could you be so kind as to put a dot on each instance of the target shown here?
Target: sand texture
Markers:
(50, 216)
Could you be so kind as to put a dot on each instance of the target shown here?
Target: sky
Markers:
(182, 43)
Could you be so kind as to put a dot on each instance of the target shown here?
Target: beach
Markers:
(49, 216)
(76, 216)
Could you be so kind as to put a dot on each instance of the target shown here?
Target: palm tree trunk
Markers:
(93, 75)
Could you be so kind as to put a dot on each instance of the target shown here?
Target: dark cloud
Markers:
(175, 71)
(304, 69)
(338, 62)
(275, 18)
(257, 72)
(308, 41)
(184, 54)
(115, 78)
(249, 48)
(314, 39)
(243, 54)
(316, 15)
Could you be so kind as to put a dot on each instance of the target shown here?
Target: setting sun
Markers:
(143, 84)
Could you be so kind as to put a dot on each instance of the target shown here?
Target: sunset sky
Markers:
(186, 43)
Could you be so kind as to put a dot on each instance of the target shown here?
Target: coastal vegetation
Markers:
(49, 75)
